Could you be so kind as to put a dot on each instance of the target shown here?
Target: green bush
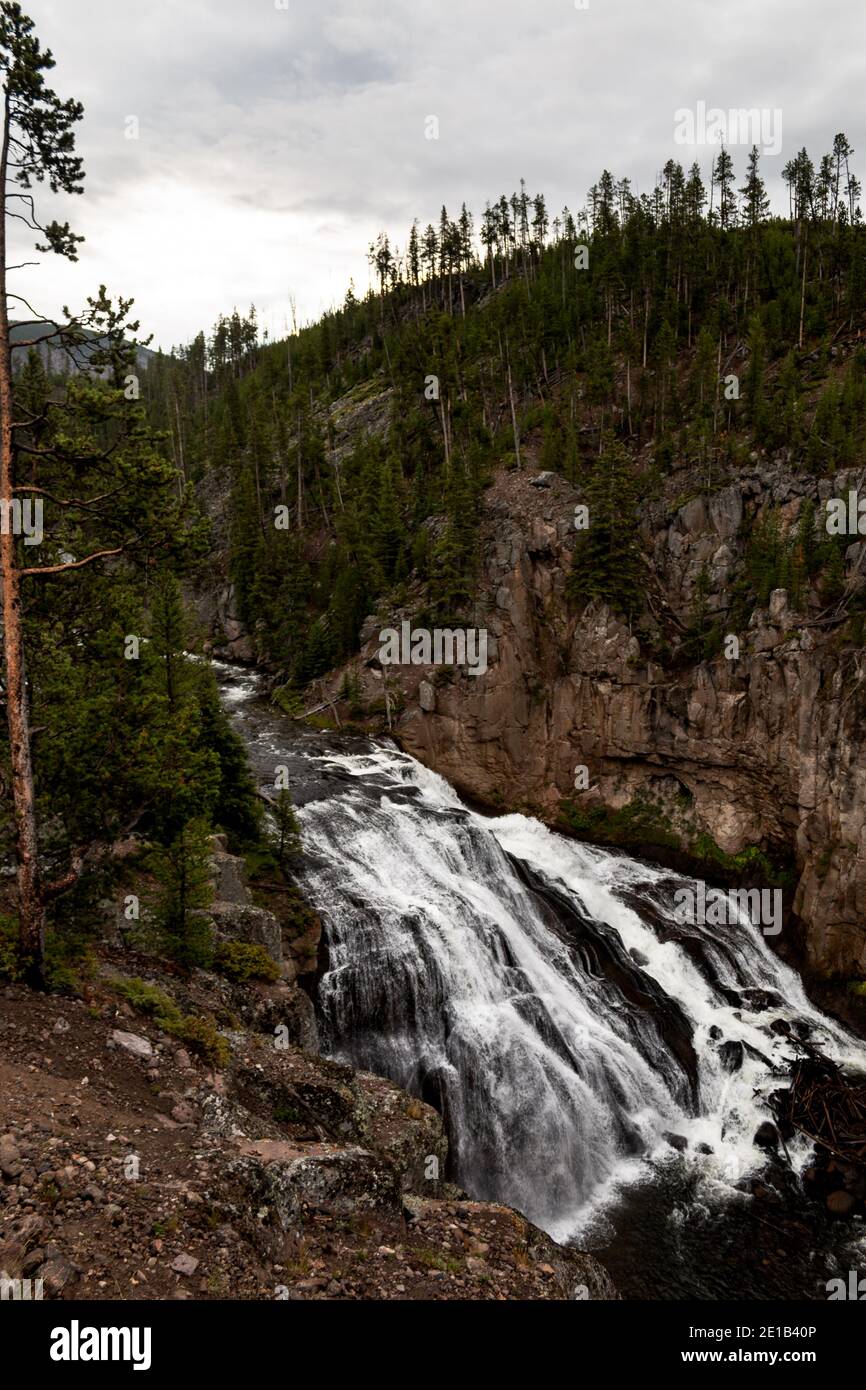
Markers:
(241, 961)
(752, 859)
(637, 823)
(198, 1032)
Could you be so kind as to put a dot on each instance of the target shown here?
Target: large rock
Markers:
(228, 878)
(285, 1178)
(138, 1047)
(341, 1104)
(282, 1011)
(243, 922)
(10, 1157)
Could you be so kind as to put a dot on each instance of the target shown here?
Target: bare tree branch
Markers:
(72, 564)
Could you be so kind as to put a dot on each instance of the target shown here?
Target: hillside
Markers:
(58, 360)
(694, 377)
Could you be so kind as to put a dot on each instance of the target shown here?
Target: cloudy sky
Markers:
(277, 137)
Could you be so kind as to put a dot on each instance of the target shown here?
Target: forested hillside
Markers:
(620, 346)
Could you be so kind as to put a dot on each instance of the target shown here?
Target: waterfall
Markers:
(538, 991)
(508, 975)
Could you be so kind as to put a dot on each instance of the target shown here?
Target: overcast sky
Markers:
(274, 143)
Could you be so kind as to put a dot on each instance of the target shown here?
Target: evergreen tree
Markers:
(606, 561)
(287, 833)
(183, 874)
(110, 494)
(723, 180)
(754, 193)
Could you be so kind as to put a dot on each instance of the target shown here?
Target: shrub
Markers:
(639, 822)
(241, 961)
(199, 1032)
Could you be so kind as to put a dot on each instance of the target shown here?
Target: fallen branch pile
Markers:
(825, 1106)
(830, 1109)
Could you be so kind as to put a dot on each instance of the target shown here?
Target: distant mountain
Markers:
(57, 360)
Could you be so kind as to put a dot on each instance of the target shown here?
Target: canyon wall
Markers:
(764, 750)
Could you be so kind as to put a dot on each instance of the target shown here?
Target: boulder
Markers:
(132, 1043)
(345, 1105)
(766, 1136)
(236, 921)
(285, 1178)
(731, 1055)
(228, 878)
(280, 1010)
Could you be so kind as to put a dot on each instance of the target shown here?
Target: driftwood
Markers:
(825, 1105)
(315, 710)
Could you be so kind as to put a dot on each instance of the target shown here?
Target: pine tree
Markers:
(413, 254)
(754, 192)
(182, 870)
(723, 179)
(287, 832)
(108, 503)
(606, 562)
(169, 635)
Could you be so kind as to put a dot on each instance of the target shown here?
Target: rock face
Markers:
(245, 922)
(761, 749)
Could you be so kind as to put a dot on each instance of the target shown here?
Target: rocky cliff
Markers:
(726, 765)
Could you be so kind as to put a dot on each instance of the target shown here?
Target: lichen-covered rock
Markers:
(338, 1103)
(285, 1178)
(274, 1081)
(235, 921)
(282, 1011)
(408, 1132)
(228, 878)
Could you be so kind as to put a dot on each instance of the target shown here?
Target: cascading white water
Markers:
(446, 974)
(536, 989)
